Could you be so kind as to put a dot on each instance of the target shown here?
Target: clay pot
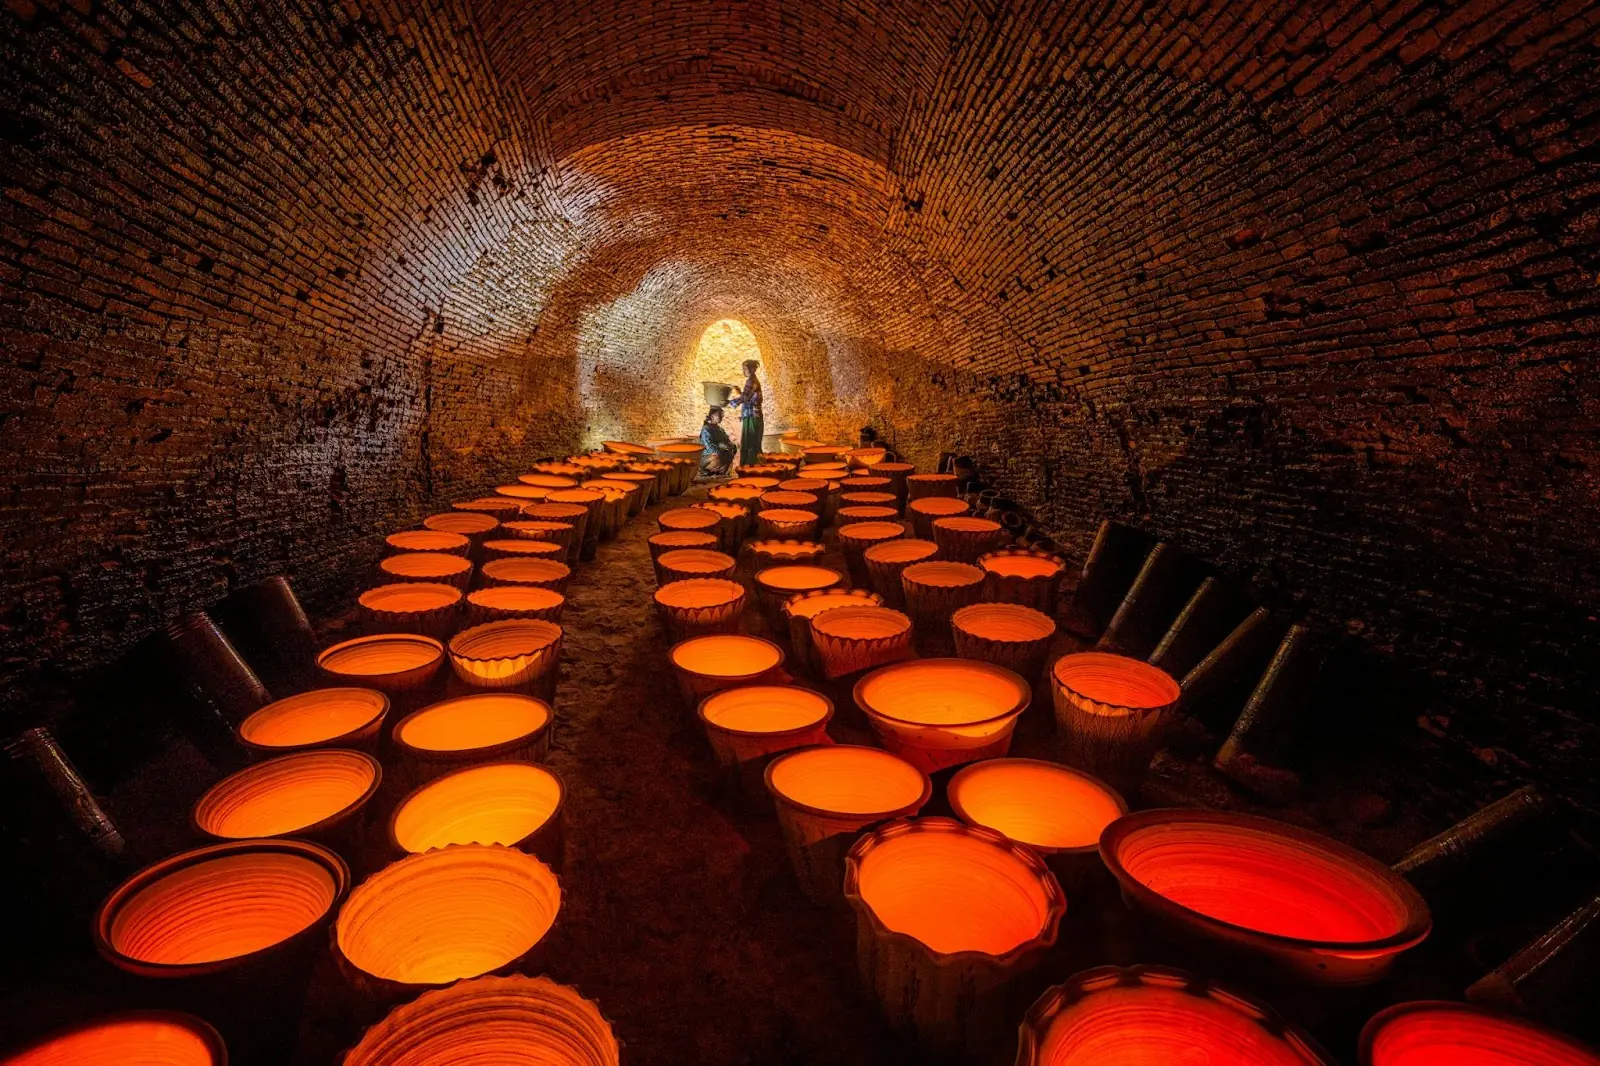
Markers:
(851, 639)
(432, 919)
(704, 665)
(783, 523)
(622, 447)
(749, 478)
(921, 486)
(822, 471)
(1157, 1014)
(498, 507)
(935, 591)
(522, 493)
(573, 514)
(696, 519)
(736, 524)
(778, 500)
(826, 796)
(131, 1038)
(643, 481)
(737, 492)
(322, 718)
(520, 548)
(634, 492)
(466, 523)
(1439, 1033)
(411, 607)
(491, 1020)
(567, 470)
(674, 539)
(851, 496)
(823, 452)
(857, 536)
(949, 917)
(1111, 713)
(513, 804)
(545, 573)
(936, 713)
(813, 486)
(799, 609)
(685, 563)
(925, 511)
(428, 540)
(468, 730)
(768, 553)
(853, 515)
(316, 795)
(548, 481)
(962, 539)
(858, 482)
(438, 568)
(500, 602)
(519, 654)
(886, 562)
(402, 665)
(748, 725)
(1289, 902)
(1005, 634)
(544, 529)
(1057, 811)
(1017, 575)
(700, 606)
(775, 585)
(589, 499)
(795, 445)
(864, 458)
(662, 472)
(616, 506)
(897, 473)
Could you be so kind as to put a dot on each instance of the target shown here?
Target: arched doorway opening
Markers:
(719, 358)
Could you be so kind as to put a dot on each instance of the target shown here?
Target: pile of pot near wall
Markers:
(860, 644)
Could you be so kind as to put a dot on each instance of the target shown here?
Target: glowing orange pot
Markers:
(548, 481)
(822, 471)
(778, 499)
(755, 478)
(643, 480)
(936, 713)
(700, 606)
(635, 492)
(1436, 1033)
(737, 492)
(864, 458)
(860, 482)
(924, 511)
(674, 539)
(749, 724)
(521, 654)
(322, 718)
(439, 568)
(784, 523)
(589, 499)
(132, 1038)
(712, 663)
(684, 563)
(801, 608)
(614, 506)
(814, 486)
(855, 537)
(697, 519)
(855, 515)
(921, 486)
(736, 524)
(1005, 634)
(311, 794)
(411, 607)
(543, 529)
(821, 452)
(522, 493)
(851, 639)
(545, 573)
(498, 507)
(573, 514)
(1153, 1014)
(937, 590)
(517, 548)
(500, 602)
(622, 447)
(491, 1020)
(400, 664)
(1111, 713)
(855, 496)
(428, 540)
(1018, 575)
(430, 919)
(1293, 902)
(962, 538)
(886, 562)
(466, 730)
(466, 523)
(897, 473)
(566, 470)
(1057, 811)
(514, 804)
(825, 797)
(948, 917)
(662, 472)
(776, 584)
(768, 553)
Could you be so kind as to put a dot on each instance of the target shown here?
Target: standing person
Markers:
(751, 428)
(716, 450)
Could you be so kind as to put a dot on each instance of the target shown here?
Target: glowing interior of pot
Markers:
(523, 546)
(861, 534)
(699, 593)
(522, 492)
(556, 512)
(855, 496)
(865, 514)
(809, 606)
(380, 655)
(909, 550)
(954, 891)
(540, 529)
(463, 522)
(1263, 881)
(526, 571)
(424, 565)
(849, 780)
(765, 709)
(1451, 1034)
(516, 598)
(941, 692)
(1140, 1025)
(932, 479)
(861, 623)
(1115, 682)
(282, 796)
(785, 517)
(501, 803)
(803, 484)
(674, 539)
(1035, 803)
(444, 915)
(762, 483)
(939, 506)
(1007, 622)
(779, 499)
(1018, 565)
(482, 720)
(547, 481)
(222, 908)
(495, 651)
(726, 656)
(427, 540)
(797, 578)
(967, 526)
(582, 497)
(126, 1041)
(410, 597)
(778, 551)
(696, 561)
(313, 717)
(689, 518)
(942, 575)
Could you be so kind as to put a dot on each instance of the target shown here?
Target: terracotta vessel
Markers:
(1005, 634)
(697, 519)
(1057, 811)
(522, 493)
(411, 607)
(662, 472)
(857, 536)
(543, 529)
(851, 639)
(428, 540)
(821, 452)
(864, 458)
(467, 730)
(823, 471)
(736, 523)
(674, 539)
(886, 562)
(435, 918)
(936, 713)
(750, 479)
(500, 602)
(700, 606)
(439, 568)
(924, 511)
(548, 481)
(1247, 890)
(402, 665)
(545, 573)
(573, 514)
(592, 501)
(685, 460)
(825, 796)
(934, 591)
(684, 563)
(796, 445)
(1157, 1015)
(622, 447)
(1438, 1033)
(498, 507)
(519, 548)
(615, 507)
(802, 607)
(776, 584)
(948, 918)
(566, 470)
(748, 725)
(342, 717)
(634, 493)
(1018, 575)
(466, 523)
(491, 1020)
(513, 804)
(316, 795)
(815, 486)
(783, 523)
(766, 553)
(643, 480)
(859, 481)
(854, 514)
(737, 492)
(1111, 713)
(962, 538)
(855, 496)
(520, 654)
(897, 473)
(131, 1038)
(920, 486)
(708, 664)
(778, 499)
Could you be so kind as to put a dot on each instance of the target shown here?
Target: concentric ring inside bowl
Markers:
(942, 575)
(466, 723)
(1041, 804)
(467, 523)
(907, 550)
(424, 565)
(410, 597)
(849, 780)
(288, 794)
(1115, 680)
(757, 709)
(313, 717)
(809, 606)
(381, 655)
(1020, 565)
(516, 598)
(942, 692)
(726, 656)
(140, 1038)
(498, 803)
(1456, 1034)
(427, 540)
(1004, 622)
(797, 578)
(699, 592)
(860, 623)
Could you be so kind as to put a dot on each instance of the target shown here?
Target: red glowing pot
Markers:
(674, 539)
(850, 639)
(466, 523)
(500, 602)
(432, 567)
(548, 481)
(786, 523)
(1152, 1014)
(696, 519)
(682, 564)
(341, 717)
(936, 713)
(622, 447)
(1024, 577)
(778, 499)
(428, 540)
(776, 585)
(643, 480)
(435, 918)
(926, 510)
(1005, 634)
(736, 523)
(482, 727)
(801, 608)
(962, 538)
(856, 496)
(825, 796)
(712, 663)
(861, 481)
(543, 529)
(1111, 713)
(749, 724)
(521, 654)
(524, 548)
(737, 492)
(400, 664)
(1454, 1034)
(591, 501)
(411, 607)
(934, 591)
(948, 917)
(886, 562)
(700, 606)
(897, 473)
(767, 553)
(922, 486)
(635, 492)
(545, 573)
(498, 507)
(318, 795)
(132, 1038)
(860, 515)
(513, 804)
(572, 514)
(856, 537)
(812, 485)
(1285, 899)
(754, 477)
(522, 493)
